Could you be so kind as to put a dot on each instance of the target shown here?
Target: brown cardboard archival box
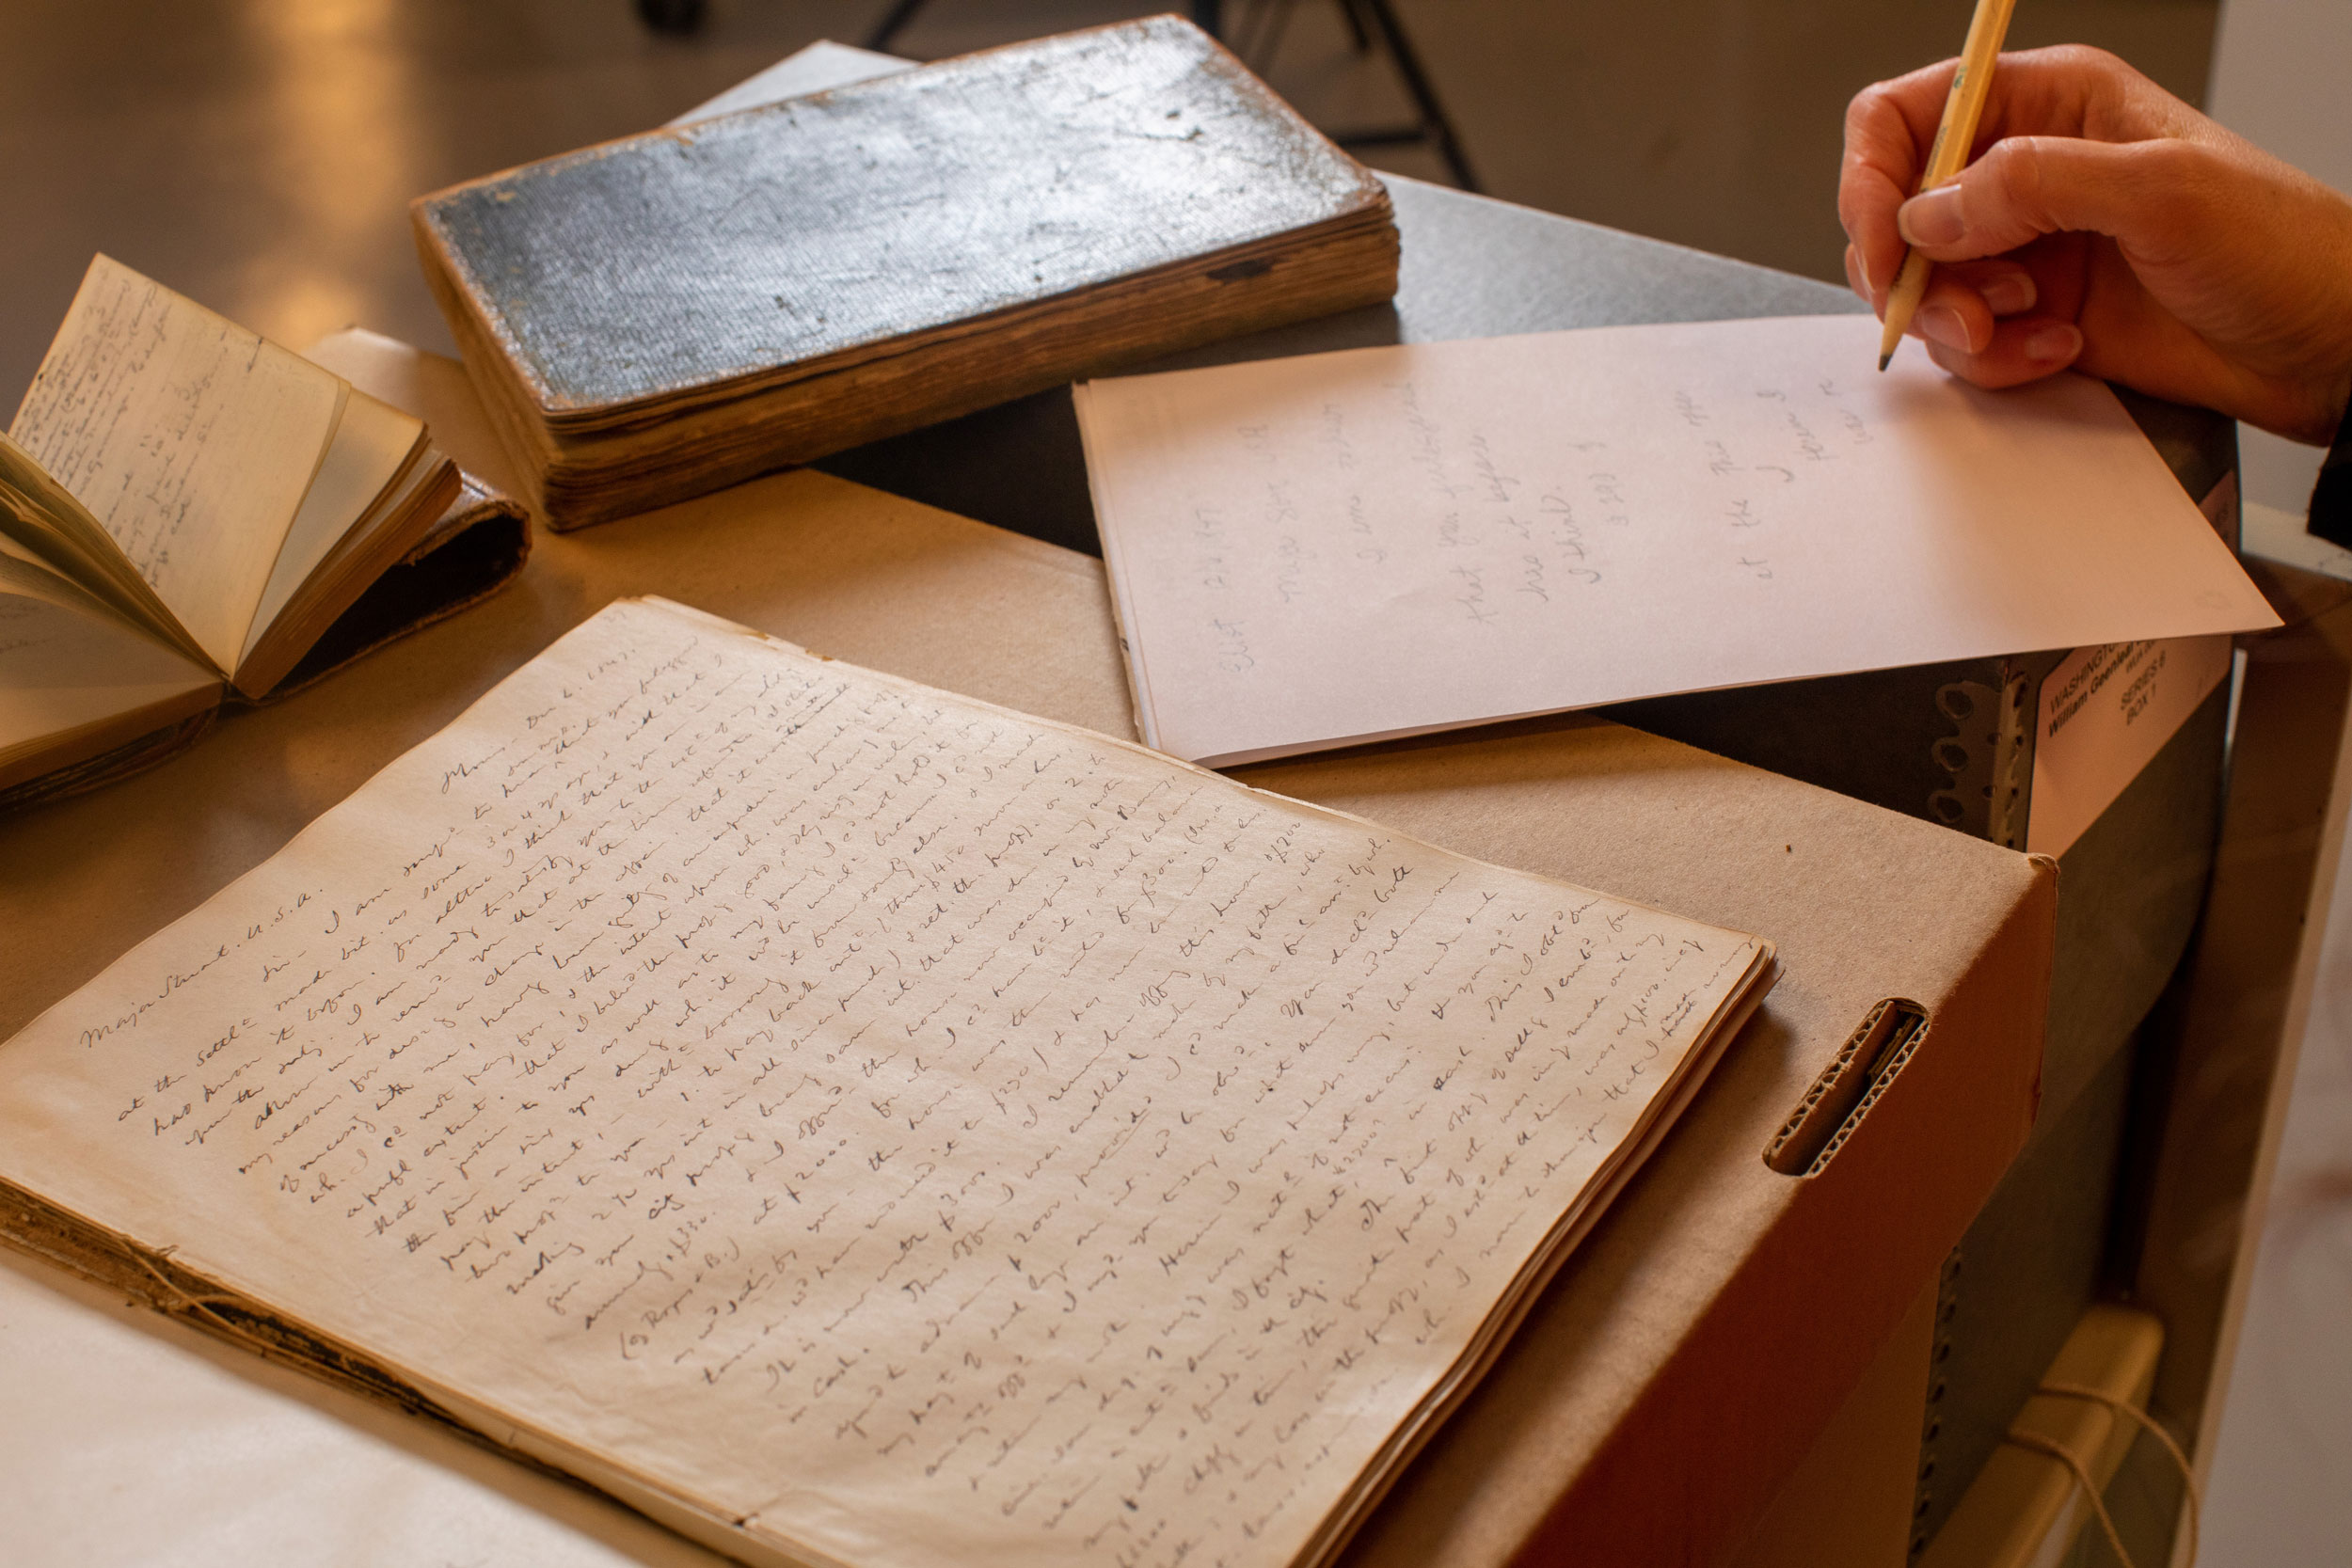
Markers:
(1701, 1337)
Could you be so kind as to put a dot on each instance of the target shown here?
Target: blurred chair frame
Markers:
(1371, 24)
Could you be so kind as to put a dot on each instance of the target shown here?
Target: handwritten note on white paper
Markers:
(1344, 546)
(930, 1135)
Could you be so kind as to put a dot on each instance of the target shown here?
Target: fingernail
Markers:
(2008, 292)
(1932, 217)
(1943, 323)
(2053, 344)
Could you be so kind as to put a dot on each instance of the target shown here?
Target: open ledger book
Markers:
(857, 1124)
(187, 510)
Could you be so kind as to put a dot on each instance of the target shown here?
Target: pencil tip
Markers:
(1886, 359)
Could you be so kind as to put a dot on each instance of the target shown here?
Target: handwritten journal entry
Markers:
(190, 439)
(911, 1131)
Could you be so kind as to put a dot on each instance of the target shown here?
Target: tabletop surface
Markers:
(106, 1399)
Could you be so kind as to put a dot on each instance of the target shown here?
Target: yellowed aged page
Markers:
(372, 444)
(69, 669)
(189, 439)
(925, 1134)
(41, 518)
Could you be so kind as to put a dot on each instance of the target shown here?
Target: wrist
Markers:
(2330, 515)
(2336, 411)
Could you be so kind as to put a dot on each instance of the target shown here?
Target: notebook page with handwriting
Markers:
(1311, 551)
(908, 1131)
(191, 440)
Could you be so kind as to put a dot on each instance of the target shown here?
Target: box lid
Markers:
(1712, 1323)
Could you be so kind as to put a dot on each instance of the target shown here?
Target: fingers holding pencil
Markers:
(2069, 90)
(1955, 138)
(2163, 251)
(1967, 304)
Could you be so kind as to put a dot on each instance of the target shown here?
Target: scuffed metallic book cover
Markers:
(822, 228)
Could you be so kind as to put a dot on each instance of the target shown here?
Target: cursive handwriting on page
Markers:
(1332, 548)
(191, 440)
(928, 1133)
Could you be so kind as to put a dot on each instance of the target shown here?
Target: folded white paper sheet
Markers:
(1312, 551)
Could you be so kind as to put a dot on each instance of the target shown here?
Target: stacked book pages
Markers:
(191, 515)
(663, 315)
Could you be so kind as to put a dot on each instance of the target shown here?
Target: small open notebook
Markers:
(187, 510)
(857, 1124)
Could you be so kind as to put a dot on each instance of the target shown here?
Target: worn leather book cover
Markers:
(660, 316)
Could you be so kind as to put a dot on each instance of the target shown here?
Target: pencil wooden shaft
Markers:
(1963, 108)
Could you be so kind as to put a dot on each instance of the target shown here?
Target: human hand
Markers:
(2106, 225)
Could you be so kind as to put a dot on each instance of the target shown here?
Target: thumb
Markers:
(2024, 188)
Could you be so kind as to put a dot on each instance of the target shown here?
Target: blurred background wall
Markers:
(2278, 73)
(258, 153)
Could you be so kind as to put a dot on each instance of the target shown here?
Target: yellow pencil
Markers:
(1962, 106)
